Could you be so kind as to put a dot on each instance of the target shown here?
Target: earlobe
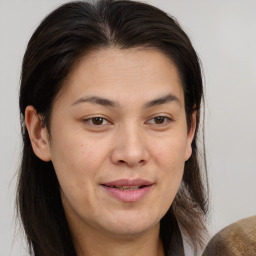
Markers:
(190, 137)
(38, 134)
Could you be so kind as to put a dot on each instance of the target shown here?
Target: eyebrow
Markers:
(109, 103)
(97, 100)
(162, 100)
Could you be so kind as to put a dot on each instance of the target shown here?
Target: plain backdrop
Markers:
(224, 35)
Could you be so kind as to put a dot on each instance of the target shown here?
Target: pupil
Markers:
(159, 119)
(97, 120)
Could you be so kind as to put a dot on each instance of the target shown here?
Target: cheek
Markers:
(76, 162)
(170, 161)
(77, 152)
(170, 151)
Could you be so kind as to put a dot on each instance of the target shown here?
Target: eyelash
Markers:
(91, 119)
(103, 121)
(166, 119)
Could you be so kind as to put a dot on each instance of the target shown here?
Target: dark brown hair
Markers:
(57, 44)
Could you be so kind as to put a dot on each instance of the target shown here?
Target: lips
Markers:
(128, 184)
(128, 190)
(125, 188)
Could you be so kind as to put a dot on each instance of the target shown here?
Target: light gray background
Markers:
(224, 35)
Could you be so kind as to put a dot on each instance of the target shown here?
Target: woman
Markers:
(110, 103)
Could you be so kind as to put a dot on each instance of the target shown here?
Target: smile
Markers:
(128, 190)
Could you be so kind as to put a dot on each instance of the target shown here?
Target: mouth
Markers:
(128, 190)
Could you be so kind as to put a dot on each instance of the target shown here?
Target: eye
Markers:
(96, 121)
(159, 120)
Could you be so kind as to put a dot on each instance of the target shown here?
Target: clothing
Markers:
(237, 239)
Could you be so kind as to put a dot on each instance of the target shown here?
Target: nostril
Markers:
(142, 161)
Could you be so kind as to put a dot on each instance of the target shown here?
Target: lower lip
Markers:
(128, 195)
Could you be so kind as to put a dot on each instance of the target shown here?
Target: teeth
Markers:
(125, 188)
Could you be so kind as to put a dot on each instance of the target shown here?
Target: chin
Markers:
(132, 225)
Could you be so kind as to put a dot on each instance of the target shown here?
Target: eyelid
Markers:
(151, 121)
(167, 120)
(89, 120)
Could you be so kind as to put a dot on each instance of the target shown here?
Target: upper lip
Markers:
(127, 182)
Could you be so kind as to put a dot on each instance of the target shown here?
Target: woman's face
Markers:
(119, 140)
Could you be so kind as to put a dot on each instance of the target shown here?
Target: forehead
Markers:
(120, 73)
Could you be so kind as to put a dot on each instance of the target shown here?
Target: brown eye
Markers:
(97, 120)
(159, 119)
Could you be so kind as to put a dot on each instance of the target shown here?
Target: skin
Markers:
(129, 142)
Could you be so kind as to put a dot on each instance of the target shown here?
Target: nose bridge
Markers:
(130, 147)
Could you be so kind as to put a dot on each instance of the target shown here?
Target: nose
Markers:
(130, 148)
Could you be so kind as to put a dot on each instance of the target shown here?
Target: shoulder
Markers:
(237, 239)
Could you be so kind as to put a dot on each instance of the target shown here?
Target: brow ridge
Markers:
(109, 103)
(97, 100)
(162, 100)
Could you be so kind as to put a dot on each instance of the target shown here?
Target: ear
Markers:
(190, 136)
(38, 134)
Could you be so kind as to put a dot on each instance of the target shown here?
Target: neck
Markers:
(98, 244)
